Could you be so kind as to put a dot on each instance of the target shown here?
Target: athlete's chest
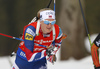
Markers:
(44, 39)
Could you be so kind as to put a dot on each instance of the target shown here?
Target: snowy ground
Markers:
(85, 63)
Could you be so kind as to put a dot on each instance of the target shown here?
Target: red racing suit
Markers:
(31, 50)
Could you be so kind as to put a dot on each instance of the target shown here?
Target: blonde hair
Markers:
(38, 14)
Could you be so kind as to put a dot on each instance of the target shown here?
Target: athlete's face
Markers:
(47, 25)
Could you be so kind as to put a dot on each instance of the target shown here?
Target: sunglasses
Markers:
(48, 22)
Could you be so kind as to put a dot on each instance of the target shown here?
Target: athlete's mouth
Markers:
(48, 28)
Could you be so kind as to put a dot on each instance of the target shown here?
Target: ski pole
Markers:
(85, 23)
(54, 4)
(49, 4)
(16, 38)
(11, 37)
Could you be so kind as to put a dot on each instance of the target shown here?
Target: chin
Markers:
(48, 31)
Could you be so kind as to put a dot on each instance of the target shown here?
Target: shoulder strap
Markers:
(38, 27)
(53, 33)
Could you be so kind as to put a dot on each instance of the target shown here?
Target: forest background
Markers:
(15, 14)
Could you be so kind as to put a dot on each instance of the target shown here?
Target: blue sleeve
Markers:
(58, 42)
(60, 32)
(29, 37)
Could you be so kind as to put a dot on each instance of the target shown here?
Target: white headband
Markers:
(47, 14)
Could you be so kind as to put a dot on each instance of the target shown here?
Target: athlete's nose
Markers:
(49, 25)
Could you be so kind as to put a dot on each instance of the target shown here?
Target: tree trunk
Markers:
(71, 23)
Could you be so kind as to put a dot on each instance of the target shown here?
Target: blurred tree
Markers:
(15, 14)
(71, 22)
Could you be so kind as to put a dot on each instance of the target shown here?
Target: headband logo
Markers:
(49, 13)
(50, 16)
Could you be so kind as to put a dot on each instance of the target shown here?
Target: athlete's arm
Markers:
(57, 44)
(29, 45)
(58, 41)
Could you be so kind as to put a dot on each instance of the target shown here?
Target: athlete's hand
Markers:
(49, 51)
(48, 47)
(52, 58)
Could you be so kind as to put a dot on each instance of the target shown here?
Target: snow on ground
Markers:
(85, 63)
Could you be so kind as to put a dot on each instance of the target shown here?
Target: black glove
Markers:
(97, 67)
(49, 51)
